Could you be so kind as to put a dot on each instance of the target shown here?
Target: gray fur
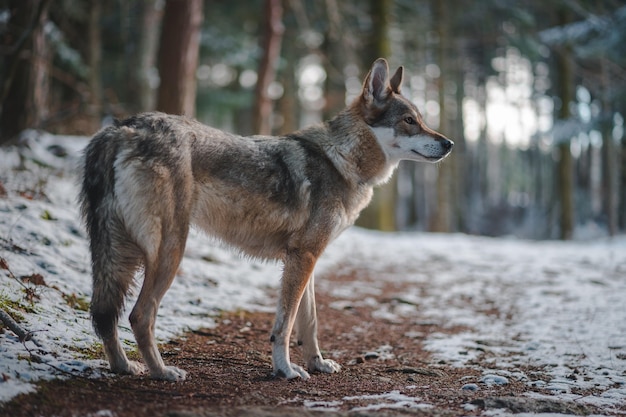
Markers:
(148, 178)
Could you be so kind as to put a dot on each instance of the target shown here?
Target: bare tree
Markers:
(441, 220)
(270, 45)
(24, 77)
(565, 170)
(95, 58)
(610, 169)
(148, 48)
(381, 212)
(178, 56)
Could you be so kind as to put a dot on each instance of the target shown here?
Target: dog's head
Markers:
(395, 121)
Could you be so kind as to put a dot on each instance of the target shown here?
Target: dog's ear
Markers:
(396, 80)
(376, 86)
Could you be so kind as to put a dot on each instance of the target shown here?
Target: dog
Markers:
(147, 178)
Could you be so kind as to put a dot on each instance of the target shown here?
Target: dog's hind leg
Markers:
(297, 271)
(159, 274)
(306, 329)
(115, 261)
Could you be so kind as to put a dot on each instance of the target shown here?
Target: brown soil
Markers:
(229, 374)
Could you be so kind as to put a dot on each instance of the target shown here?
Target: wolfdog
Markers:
(146, 179)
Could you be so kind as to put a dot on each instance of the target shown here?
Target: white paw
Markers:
(327, 366)
(128, 368)
(292, 371)
(136, 368)
(169, 373)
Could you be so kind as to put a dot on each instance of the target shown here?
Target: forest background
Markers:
(532, 92)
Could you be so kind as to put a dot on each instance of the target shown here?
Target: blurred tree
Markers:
(95, 59)
(564, 76)
(381, 212)
(288, 105)
(24, 69)
(441, 220)
(610, 150)
(621, 200)
(178, 56)
(337, 45)
(610, 153)
(152, 13)
(271, 39)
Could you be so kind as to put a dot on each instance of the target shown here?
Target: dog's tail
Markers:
(98, 207)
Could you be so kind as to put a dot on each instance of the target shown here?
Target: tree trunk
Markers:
(459, 160)
(95, 58)
(622, 187)
(386, 196)
(566, 194)
(270, 45)
(41, 60)
(25, 73)
(610, 171)
(152, 15)
(381, 213)
(289, 106)
(337, 52)
(565, 170)
(178, 56)
(441, 221)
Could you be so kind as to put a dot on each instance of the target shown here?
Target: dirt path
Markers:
(385, 372)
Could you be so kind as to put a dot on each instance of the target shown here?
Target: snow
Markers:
(388, 400)
(559, 306)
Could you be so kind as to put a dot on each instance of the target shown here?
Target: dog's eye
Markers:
(409, 120)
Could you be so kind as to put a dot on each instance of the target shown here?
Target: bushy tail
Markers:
(97, 200)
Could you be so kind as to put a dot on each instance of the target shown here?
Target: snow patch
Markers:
(388, 400)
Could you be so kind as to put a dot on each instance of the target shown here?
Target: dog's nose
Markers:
(447, 144)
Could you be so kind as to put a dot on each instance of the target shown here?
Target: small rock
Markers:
(491, 379)
(371, 355)
(470, 387)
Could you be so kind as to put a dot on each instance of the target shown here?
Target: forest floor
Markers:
(229, 375)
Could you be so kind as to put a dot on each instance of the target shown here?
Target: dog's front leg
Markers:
(306, 329)
(298, 268)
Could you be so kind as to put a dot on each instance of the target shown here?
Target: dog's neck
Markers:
(354, 150)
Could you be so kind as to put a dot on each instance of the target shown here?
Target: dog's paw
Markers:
(327, 366)
(291, 372)
(169, 373)
(129, 368)
(135, 368)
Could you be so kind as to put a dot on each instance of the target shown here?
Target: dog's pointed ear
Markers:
(396, 80)
(376, 86)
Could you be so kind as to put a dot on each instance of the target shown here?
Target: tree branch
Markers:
(8, 321)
